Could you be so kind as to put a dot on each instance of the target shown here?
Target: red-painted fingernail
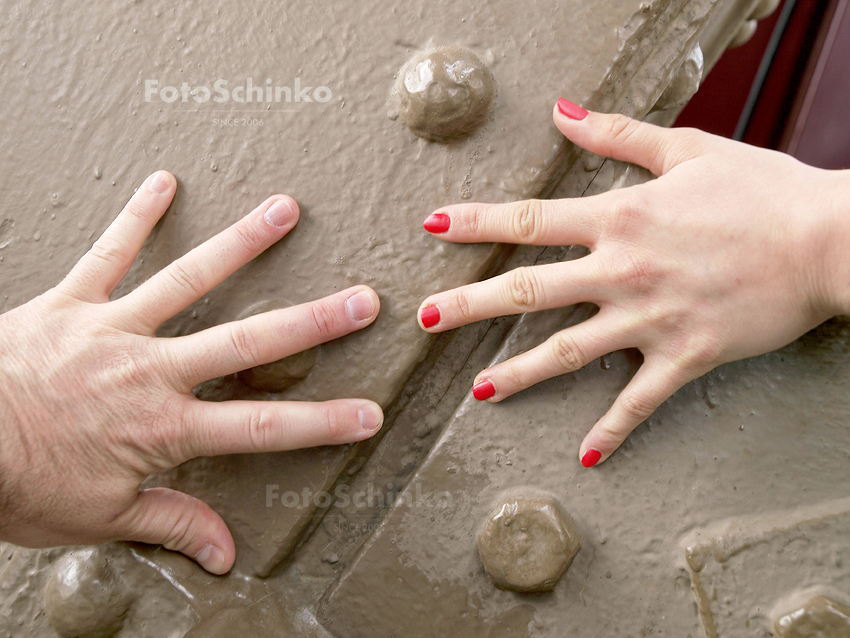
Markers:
(591, 458)
(571, 109)
(430, 316)
(437, 223)
(483, 390)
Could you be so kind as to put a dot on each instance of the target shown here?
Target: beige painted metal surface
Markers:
(87, 113)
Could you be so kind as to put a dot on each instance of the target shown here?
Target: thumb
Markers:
(622, 138)
(181, 523)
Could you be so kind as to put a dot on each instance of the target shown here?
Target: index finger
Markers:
(193, 275)
(555, 222)
(102, 268)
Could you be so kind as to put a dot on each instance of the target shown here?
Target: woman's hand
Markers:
(92, 402)
(732, 252)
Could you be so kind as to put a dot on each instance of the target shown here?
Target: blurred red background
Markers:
(788, 88)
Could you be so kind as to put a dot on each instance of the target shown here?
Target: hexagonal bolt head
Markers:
(85, 597)
(527, 544)
(821, 617)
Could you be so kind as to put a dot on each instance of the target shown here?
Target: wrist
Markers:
(837, 245)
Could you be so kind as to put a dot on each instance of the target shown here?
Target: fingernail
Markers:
(591, 458)
(360, 306)
(430, 316)
(211, 558)
(483, 390)
(160, 183)
(370, 417)
(571, 109)
(279, 214)
(437, 223)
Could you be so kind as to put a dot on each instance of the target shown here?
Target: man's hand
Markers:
(92, 402)
(732, 252)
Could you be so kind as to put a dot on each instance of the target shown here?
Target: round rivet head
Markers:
(527, 544)
(764, 9)
(820, 616)
(746, 31)
(685, 82)
(444, 93)
(85, 597)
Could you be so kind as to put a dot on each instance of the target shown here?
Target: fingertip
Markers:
(371, 417)
(160, 182)
(214, 560)
(293, 205)
(483, 390)
(219, 553)
(362, 304)
(281, 211)
(599, 444)
(570, 110)
(179, 522)
(437, 223)
(590, 457)
(428, 316)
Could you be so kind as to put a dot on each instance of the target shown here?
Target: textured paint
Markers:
(88, 112)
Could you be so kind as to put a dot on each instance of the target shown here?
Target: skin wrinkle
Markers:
(94, 403)
(120, 399)
(677, 256)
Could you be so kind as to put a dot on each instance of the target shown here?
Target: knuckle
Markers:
(654, 144)
(691, 142)
(336, 424)
(621, 128)
(566, 353)
(130, 369)
(464, 307)
(612, 434)
(628, 218)
(187, 277)
(162, 449)
(173, 369)
(325, 320)
(249, 235)
(511, 376)
(179, 534)
(473, 220)
(158, 440)
(635, 406)
(262, 429)
(523, 289)
(245, 346)
(699, 354)
(135, 209)
(633, 271)
(106, 250)
(526, 220)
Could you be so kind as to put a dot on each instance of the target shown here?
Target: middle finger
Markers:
(525, 289)
(200, 270)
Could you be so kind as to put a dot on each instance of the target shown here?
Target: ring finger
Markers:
(521, 290)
